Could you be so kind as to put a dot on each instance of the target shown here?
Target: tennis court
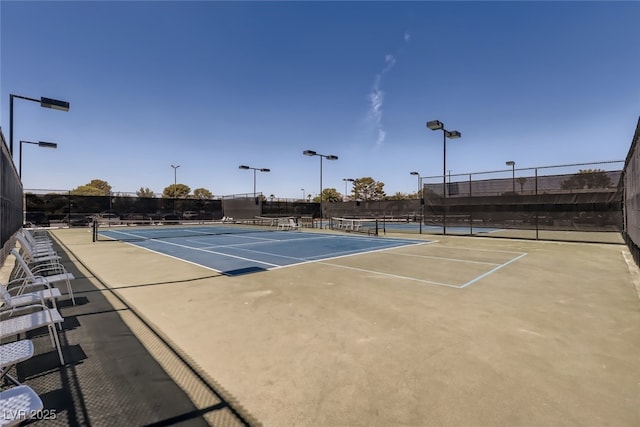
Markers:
(377, 331)
(235, 250)
(239, 250)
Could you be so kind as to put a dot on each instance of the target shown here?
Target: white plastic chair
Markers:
(33, 255)
(51, 272)
(13, 353)
(19, 404)
(24, 294)
(37, 316)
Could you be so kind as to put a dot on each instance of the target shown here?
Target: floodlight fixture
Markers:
(42, 144)
(453, 134)
(47, 144)
(435, 125)
(55, 104)
(309, 153)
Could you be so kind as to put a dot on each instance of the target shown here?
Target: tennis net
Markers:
(369, 226)
(149, 230)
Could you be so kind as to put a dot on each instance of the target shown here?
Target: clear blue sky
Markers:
(213, 85)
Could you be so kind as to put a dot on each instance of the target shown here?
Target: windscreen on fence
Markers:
(569, 202)
(631, 189)
(571, 198)
(11, 215)
(79, 210)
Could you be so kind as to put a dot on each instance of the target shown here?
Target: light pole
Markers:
(438, 125)
(302, 189)
(328, 157)
(175, 178)
(42, 144)
(345, 186)
(513, 174)
(254, 175)
(421, 195)
(44, 102)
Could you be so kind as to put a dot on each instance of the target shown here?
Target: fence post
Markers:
(537, 202)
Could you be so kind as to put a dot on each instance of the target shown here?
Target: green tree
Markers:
(328, 195)
(202, 193)
(401, 196)
(96, 187)
(87, 190)
(145, 192)
(331, 195)
(102, 185)
(587, 179)
(368, 189)
(176, 191)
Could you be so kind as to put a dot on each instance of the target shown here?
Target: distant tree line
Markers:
(98, 187)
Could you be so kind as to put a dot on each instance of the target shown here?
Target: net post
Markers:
(94, 230)
(470, 208)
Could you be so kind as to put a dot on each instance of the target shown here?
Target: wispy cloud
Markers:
(376, 95)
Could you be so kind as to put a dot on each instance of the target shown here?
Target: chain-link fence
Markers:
(580, 202)
(11, 214)
(630, 188)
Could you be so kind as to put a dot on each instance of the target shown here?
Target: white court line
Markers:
(446, 259)
(208, 251)
(302, 260)
(174, 257)
(323, 257)
(259, 243)
(396, 276)
(480, 250)
(482, 276)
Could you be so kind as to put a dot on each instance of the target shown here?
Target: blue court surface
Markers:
(249, 250)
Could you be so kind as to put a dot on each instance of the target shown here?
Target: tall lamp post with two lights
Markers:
(175, 179)
(453, 134)
(328, 157)
(175, 186)
(254, 175)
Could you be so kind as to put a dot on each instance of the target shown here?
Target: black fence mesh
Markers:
(290, 208)
(582, 202)
(75, 210)
(630, 187)
(11, 214)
